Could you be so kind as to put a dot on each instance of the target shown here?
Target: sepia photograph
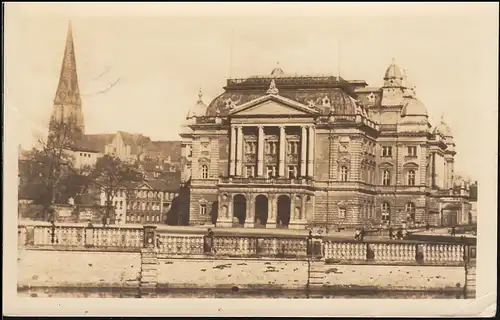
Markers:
(183, 154)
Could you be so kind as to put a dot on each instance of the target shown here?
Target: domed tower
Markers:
(392, 91)
(443, 131)
(198, 110)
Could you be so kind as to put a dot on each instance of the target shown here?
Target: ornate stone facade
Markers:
(290, 151)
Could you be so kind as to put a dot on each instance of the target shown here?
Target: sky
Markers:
(162, 54)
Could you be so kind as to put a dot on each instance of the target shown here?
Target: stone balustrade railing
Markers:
(180, 244)
(394, 252)
(259, 246)
(191, 244)
(80, 236)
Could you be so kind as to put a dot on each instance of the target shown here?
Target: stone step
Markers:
(149, 267)
(149, 261)
(148, 285)
(145, 279)
(149, 273)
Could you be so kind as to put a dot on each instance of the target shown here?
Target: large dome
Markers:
(199, 109)
(413, 107)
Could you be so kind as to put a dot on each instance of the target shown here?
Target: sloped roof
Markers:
(136, 141)
(164, 149)
(168, 183)
(97, 142)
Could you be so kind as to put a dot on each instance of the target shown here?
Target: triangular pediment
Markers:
(145, 186)
(273, 105)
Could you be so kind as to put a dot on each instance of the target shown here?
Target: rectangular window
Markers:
(203, 209)
(292, 172)
(249, 171)
(271, 171)
(412, 151)
(385, 216)
(386, 151)
(342, 212)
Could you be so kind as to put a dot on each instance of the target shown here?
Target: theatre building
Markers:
(295, 151)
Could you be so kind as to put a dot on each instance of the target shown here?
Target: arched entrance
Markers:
(283, 215)
(240, 208)
(261, 210)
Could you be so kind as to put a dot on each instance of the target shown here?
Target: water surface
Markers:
(240, 294)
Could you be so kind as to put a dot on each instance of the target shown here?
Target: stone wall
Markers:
(49, 268)
(379, 277)
(229, 273)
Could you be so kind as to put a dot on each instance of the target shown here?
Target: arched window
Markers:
(204, 171)
(386, 210)
(386, 178)
(411, 177)
(343, 173)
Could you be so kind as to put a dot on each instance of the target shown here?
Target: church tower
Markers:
(67, 113)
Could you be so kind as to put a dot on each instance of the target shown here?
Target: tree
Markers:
(111, 175)
(51, 168)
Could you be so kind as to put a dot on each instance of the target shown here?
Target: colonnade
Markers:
(307, 141)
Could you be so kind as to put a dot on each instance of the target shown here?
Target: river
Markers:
(251, 294)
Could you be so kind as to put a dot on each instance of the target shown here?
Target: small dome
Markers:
(394, 77)
(344, 104)
(443, 129)
(393, 72)
(277, 72)
(199, 109)
(413, 107)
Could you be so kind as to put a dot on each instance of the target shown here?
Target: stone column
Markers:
(303, 151)
(239, 150)
(250, 219)
(281, 166)
(293, 215)
(232, 162)
(303, 208)
(271, 216)
(260, 152)
(310, 156)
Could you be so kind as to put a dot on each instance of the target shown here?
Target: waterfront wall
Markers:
(42, 268)
(232, 273)
(66, 269)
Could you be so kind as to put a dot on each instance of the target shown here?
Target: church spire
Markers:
(67, 101)
(68, 90)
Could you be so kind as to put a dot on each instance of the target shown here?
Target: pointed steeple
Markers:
(68, 90)
(67, 101)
